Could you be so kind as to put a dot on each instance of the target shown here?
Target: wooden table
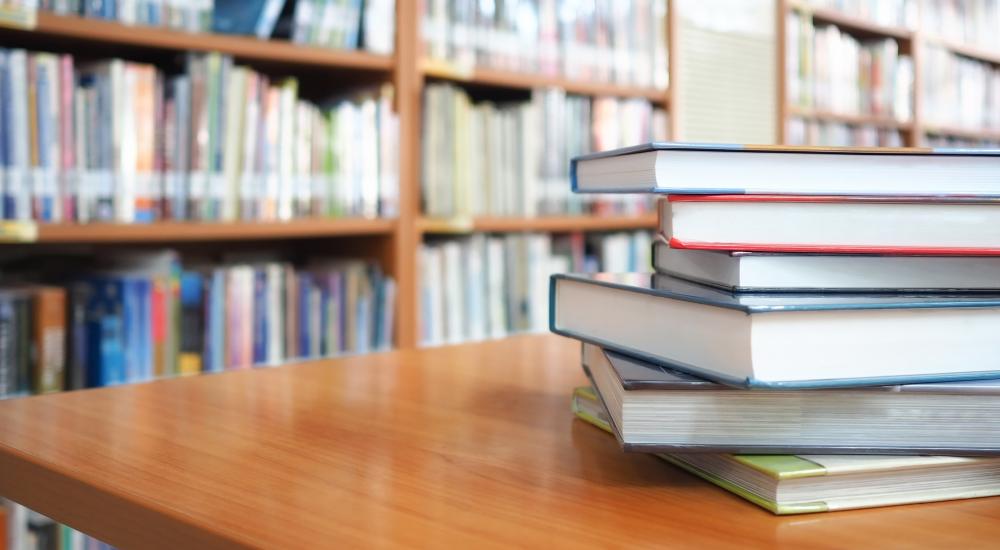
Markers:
(470, 446)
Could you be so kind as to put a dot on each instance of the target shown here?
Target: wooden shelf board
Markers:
(852, 23)
(554, 224)
(971, 51)
(242, 47)
(527, 81)
(827, 116)
(965, 133)
(207, 232)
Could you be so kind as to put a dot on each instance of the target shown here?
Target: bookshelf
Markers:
(912, 40)
(394, 242)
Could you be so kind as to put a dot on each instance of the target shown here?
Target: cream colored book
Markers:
(800, 484)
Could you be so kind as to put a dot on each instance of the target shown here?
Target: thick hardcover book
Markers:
(782, 340)
(739, 271)
(656, 408)
(699, 168)
(833, 225)
(801, 484)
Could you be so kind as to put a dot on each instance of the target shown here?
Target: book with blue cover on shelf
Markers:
(806, 483)
(654, 408)
(706, 168)
(781, 341)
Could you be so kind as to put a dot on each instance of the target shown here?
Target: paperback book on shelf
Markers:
(121, 141)
(784, 340)
(802, 484)
(654, 408)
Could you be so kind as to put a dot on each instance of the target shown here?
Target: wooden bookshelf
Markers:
(966, 50)
(395, 242)
(165, 232)
(911, 41)
(241, 47)
(545, 224)
(868, 120)
(528, 81)
(963, 133)
(850, 23)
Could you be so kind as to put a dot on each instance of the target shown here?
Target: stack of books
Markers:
(820, 332)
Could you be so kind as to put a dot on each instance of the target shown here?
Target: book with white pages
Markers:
(808, 483)
(804, 272)
(710, 168)
(782, 340)
(938, 226)
(657, 409)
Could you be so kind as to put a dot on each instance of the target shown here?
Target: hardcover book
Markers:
(833, 225)
(801, 484)
(782, 340)
(740, 271)
(701, 168)
(654, 408)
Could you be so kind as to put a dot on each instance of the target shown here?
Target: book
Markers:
(483, 158)
(826, 224)
(692, 168)
(656, 408)
(740, 271)
(490, 286)
(256, 18)
(802, 484)
(782, 341)
(114, 140)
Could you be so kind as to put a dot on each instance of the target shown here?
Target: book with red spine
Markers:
(947, 226)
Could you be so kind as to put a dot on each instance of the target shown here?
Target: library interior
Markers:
(412, 273)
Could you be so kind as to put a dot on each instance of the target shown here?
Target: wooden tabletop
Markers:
(469, 446)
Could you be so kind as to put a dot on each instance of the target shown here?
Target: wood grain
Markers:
(209, 231)
(242, 47)
(466, 446)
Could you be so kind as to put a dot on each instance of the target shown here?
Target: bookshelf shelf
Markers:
(973, 52)
(527, 81)
(195, 232)
(551, 224)
(241, 47)
(852, 24)
(870, 120)
(964, 133)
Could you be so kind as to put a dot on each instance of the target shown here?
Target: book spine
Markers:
(49, 335)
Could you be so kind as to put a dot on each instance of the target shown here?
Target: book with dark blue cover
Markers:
(260, 316)
(782, 340)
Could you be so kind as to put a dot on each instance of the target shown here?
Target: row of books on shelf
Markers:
(510, 158)
(28, 530)
(341, 24)
(951, 142)
(959, 91)
(489, 286)
(145, 316)
(121, 141)
(831, 70)
(623, 42)
(827, 310)
(971, 22)
(801, 131)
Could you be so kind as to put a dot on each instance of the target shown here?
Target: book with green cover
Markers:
(799, 484)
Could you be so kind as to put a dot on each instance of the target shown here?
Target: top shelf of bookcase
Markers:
(527, 81)
(241, 47)
(851, 23)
